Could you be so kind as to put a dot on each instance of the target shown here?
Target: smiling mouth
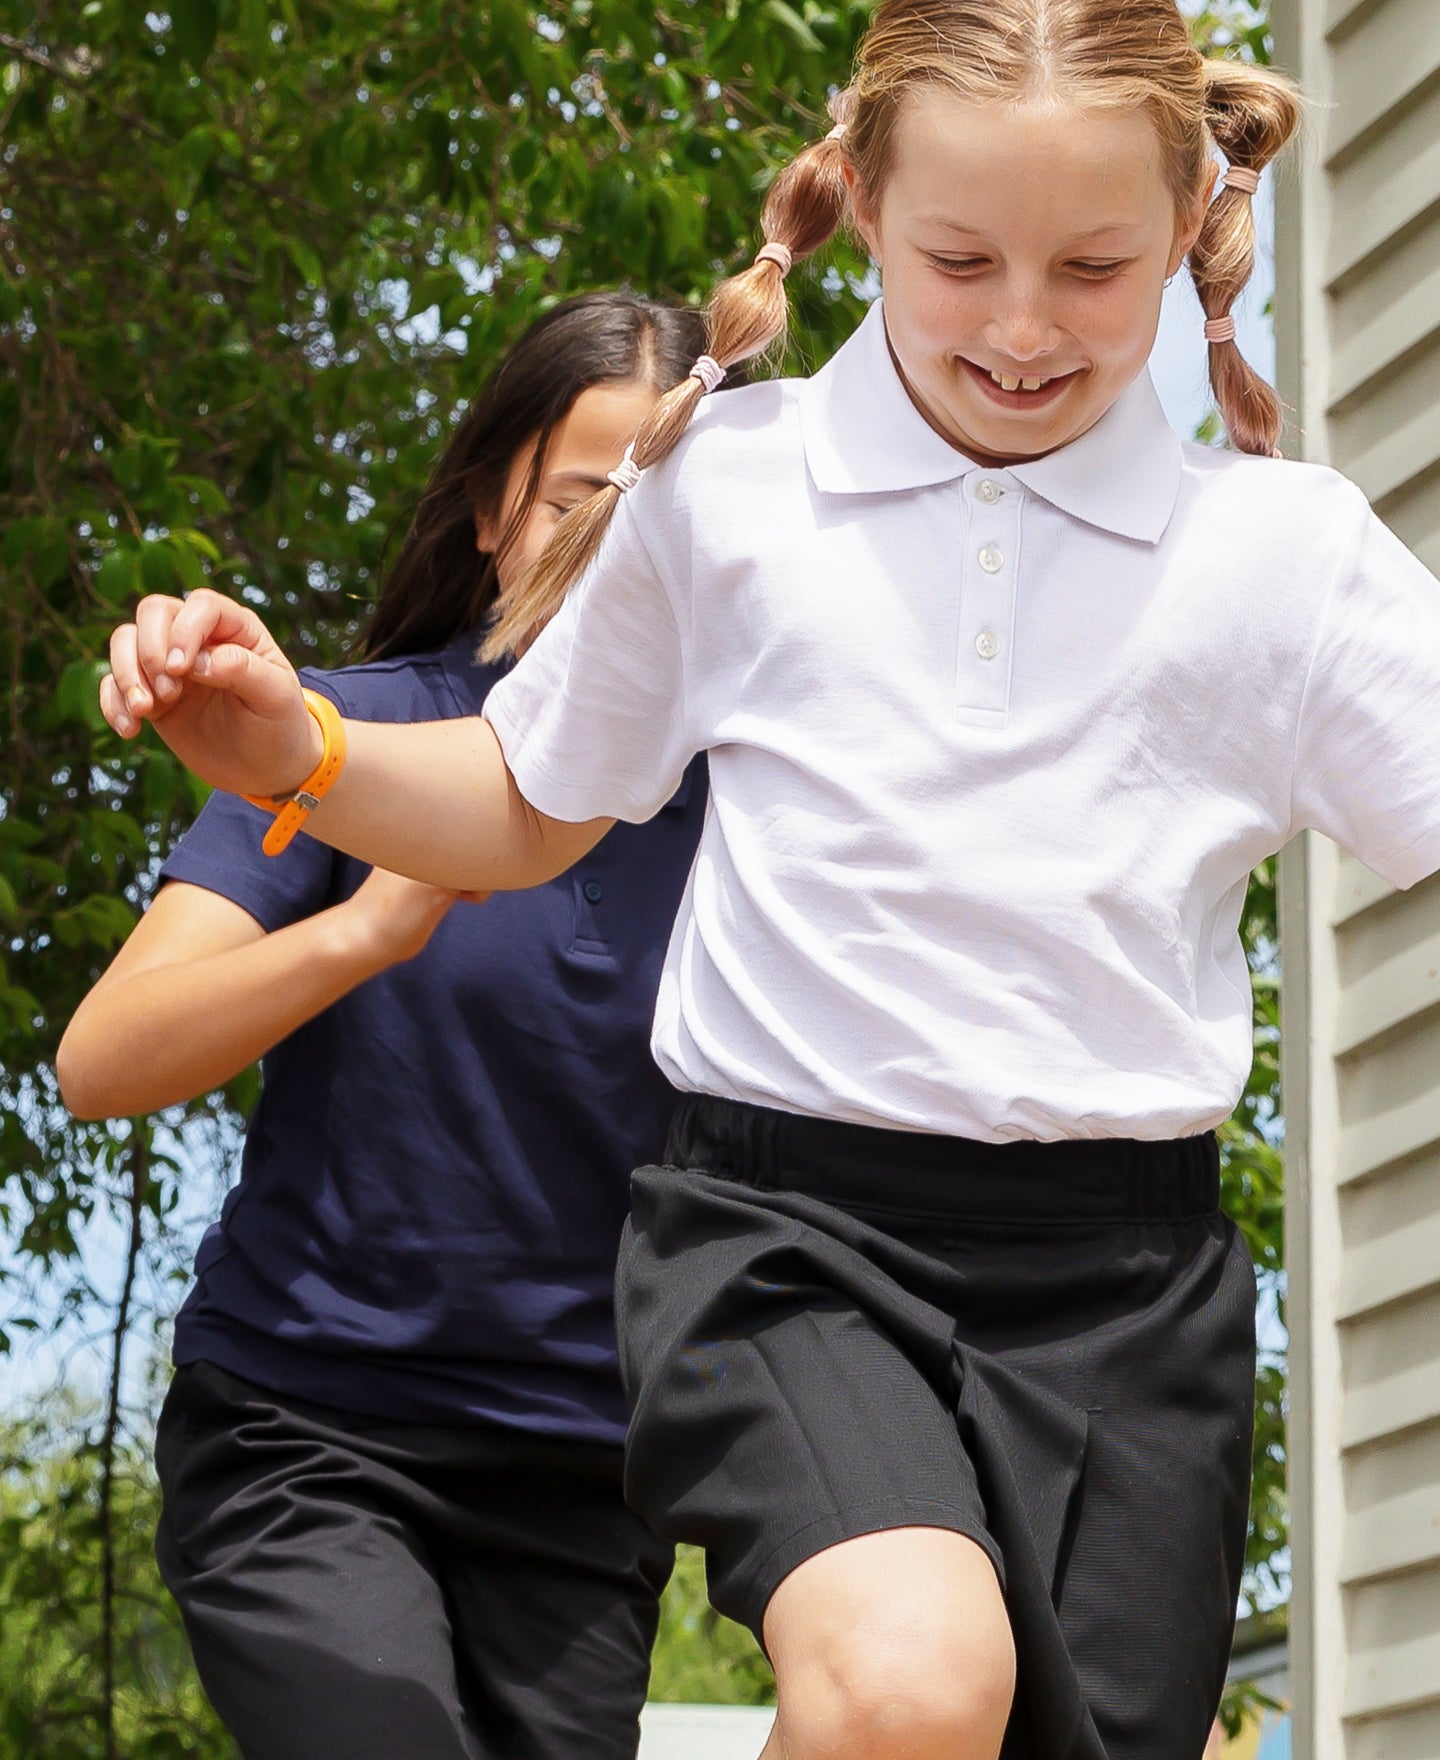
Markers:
(1017, 390)
(1007, 382)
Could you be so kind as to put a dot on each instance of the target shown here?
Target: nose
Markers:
(1022, 331)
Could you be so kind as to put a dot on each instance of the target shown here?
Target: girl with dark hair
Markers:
(390, 1455)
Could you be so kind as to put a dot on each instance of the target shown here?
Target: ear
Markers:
(1187, 233)
(861, 210)
(487, 533)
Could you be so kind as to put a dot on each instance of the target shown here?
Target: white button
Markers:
(991, 559)
(987, 644)
(988, 492)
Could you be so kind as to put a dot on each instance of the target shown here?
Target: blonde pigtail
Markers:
(1251, 114)
(747, 315)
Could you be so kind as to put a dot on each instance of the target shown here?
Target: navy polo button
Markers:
(593, 891)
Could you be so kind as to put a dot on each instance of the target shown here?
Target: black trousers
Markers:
(829, 1330)
(357, 1589)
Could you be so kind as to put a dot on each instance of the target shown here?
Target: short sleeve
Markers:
(592, 718)
(1367, 770)
(221, 852)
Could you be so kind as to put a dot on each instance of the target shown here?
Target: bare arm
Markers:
(435, 800)
(200, 990)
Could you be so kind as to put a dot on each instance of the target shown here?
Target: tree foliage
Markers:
(253, 257)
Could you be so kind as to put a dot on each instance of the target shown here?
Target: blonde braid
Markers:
(1251, 114)
(747, 315)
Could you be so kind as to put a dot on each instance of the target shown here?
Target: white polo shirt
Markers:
(992, 752)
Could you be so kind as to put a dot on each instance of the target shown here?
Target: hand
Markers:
(397, 917)
(222, 696)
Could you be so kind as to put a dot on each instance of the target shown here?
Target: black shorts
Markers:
(359, 1589)
(829, 1330)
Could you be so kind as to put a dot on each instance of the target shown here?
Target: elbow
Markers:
(82, 1086)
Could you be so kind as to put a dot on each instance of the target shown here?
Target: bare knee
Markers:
(866, 1673)
(911, 1702)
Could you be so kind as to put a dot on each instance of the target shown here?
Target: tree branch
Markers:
(139, 1168)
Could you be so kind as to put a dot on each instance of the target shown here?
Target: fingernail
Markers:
(124, 726)
(165, 688)
(136, 697)
(175, 659)
(201, 668)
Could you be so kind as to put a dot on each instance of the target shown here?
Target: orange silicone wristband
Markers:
(291, 811)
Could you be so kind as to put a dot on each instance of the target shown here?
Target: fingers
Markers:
(154, 616)
(112, 707)
(130, 688)
(205, 622)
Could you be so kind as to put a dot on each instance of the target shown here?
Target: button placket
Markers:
(987, 596)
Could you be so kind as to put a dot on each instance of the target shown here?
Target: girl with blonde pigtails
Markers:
(934, 1333)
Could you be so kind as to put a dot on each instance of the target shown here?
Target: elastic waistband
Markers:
(917, 1174)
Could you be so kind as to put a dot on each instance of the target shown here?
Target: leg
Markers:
(554, 1597)
(894, 1646)
(314, 1613)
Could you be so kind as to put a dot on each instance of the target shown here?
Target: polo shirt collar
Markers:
(863, 435)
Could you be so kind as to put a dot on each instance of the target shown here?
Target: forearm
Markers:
(165, 1034)
(437, 802)
(433, 801)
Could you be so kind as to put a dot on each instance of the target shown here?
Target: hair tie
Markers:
(627, 473)
(708, 371)
(1220, 329)
(837, 133)
(779, 254)
(1242, 178)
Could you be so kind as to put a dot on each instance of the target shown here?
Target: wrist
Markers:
(314, 749)
(327, 729)
(355, 938)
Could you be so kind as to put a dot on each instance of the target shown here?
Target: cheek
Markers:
(932, 316)
(1118, 322)
(530, 540)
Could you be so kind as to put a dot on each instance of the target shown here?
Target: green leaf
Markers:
(200, 542)
(188, 571)
(100, 919)
(206, 491)
(77, 693)
(791, 20)
(117, 580)
(194, 25)
(157, 568)
(303, 256)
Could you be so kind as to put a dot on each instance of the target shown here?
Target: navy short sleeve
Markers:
(437, 1170)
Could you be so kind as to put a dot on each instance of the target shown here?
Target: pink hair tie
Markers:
(708, 371)
(1242, 178)
(1220, 329)
(627, 473)
(779, 254)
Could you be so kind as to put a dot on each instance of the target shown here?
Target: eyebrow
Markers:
(949, 225)
(573, 480)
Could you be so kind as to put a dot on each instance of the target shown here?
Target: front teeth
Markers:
(1008, 382)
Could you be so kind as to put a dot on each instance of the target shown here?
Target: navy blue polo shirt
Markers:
(436, 1173)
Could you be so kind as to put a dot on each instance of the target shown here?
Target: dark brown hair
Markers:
(1125, 54)
(440, 585)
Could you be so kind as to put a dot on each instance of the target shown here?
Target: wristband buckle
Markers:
(291, 811)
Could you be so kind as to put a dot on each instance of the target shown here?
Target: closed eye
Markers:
(1098, 271)
(957, 265)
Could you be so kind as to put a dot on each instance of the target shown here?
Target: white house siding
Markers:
(1358, 324)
